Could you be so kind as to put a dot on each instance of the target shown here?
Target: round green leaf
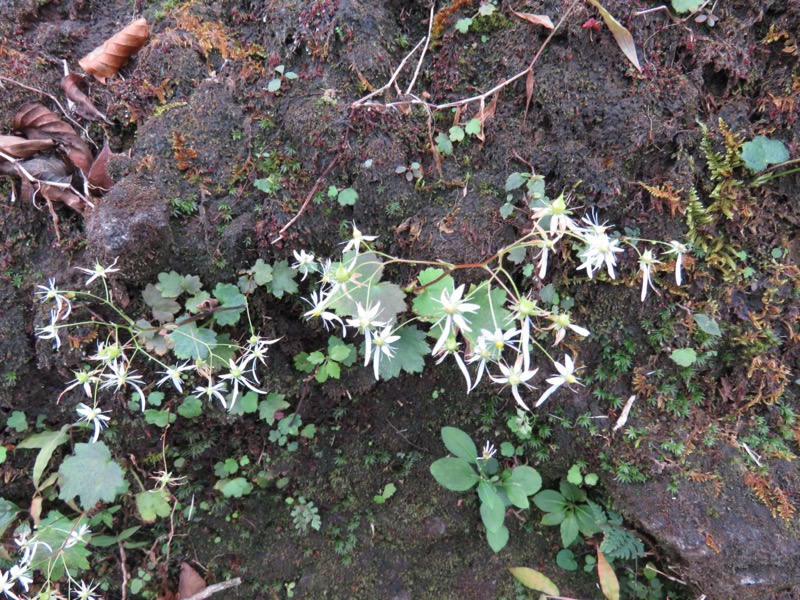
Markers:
(685, 357)
(454, 474)
(566, 560)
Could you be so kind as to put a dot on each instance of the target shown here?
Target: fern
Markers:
(621, 543)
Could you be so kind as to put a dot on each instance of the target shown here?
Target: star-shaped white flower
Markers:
(357, 239)
(99, 271)
(678, 250)
(566, 375)
(51, 293)
(93, 416)
(173, 375)
(646, 262)
(514, 377)
(381, 343)
(454, 308)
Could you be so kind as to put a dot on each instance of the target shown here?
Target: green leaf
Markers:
(229, 298)
(273, 403)
(534, 580)
(550, 501)
(8, 514)
(760, 152)
(473, 127)
(507, 449)
(409, 353)
(498, 538)
(173, 284)
(191, 342)
(153, 504)
(569, 530)
(334, 345)
(223, 351)
(591, 479)
(443, 144)
(459, 444)
(234, 488)
(339, 353)
(572, 493)
(262, 272)
(493, 515)
(290, 75)
(685, 357)
(586, 520)
(274, 85)
(462, 25)
(46, 442)
(492, 312)
(707, 324)
(283, 279)
(517, 255)
(164, 309)
(347, 197)
(427, 305)
(523, 482)
(159, 418)
(92, 475)
(3, 457)
(193, 303)
(553, 518)
(683, 6)
(456, 134)
(454, 474)
(17, 421)
(507, 210)
(153, 338)
(52, 555)
(333, 191)
(515, 181)
(566, 560)
(574, 475)
(191, 407)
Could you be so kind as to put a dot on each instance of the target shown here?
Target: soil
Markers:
(191, 119)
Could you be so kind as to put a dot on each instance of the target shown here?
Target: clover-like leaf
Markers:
(152, 504)
(192, 342)
(91, 475)
(347, 197)
(282, 279)
(685, 357)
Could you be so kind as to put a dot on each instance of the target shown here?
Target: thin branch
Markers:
(424, 50)
(389, 83)
(213, 589)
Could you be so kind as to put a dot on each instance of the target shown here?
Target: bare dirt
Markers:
(192, 120)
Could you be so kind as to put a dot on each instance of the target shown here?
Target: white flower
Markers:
(77, 535)
(678, 250)
(451, 348)
(500, 339)
(480, 354)
(173, 375)
(523, 310)
(94, 416)
(85, 591)
(566, 374)
(50, 332)
(99, 271)
(257, 349)
(305, 262)
(515, 377)
(366, 321)
(236, 374)
(559, 215)
(84, 379)
(561, 322)
(318, 302)
(358, 238)
(488, 451)
(20, 574)
(108, 353)
(600, 249)
(547, 246)
(455, 308)
(28, 547)
(120, 377)
(6, 585)
(646, 262)
(212, 390)
(381, 342)
(50, 293)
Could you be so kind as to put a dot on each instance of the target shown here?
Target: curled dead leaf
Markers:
(37, 122)
(191, 582)
(50, 178)
(99, 179)
(107, 59)
(74, 86)
(18, 147)
(621, 35)
(542, 20)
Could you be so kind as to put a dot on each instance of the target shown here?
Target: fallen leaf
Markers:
(190, 582)
(621, 34)
(49, 177)
(106, 60)
(36, 122)
(542, 20)
(529, 86)
(98, 176)
(487, 112)
(18, 147)
(609, 583)
(73, 86)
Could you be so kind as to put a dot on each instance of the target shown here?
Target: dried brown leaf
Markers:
(542, 20)
(106, 60)
(36, 122)
(529, 85)
(99, 179)
(487, 112)
(191, 582)
(621, 34)
(74, 86)
(18, 147)
(68, 196)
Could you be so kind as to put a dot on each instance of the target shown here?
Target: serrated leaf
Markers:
(609, 583)
(282, 279)
(8, 514)
(347, 197)
(153, 504)
(456, 134)
(339, 353)
(506, 210)
(191, 407)
(193, 304)
(492, 312)
(223, 351)
(164, 309)
(463, 25)
(173, 284)
(498, 538)
(427, 305)
(267, 408)
(192, 342)
(443, 144)
(514, 181)
(153, 338)
(685, 357)
(262, 272)
(534, 580)
(454, 474)
(52, 555)
(159, 418)
(46, 442)
(459, 444)
(334, 343)
(409, 353)
(234, 488)
(473, 127)
(517, 254)
(621, 35)
(707, 324)
(91, 475)
(229, 298)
